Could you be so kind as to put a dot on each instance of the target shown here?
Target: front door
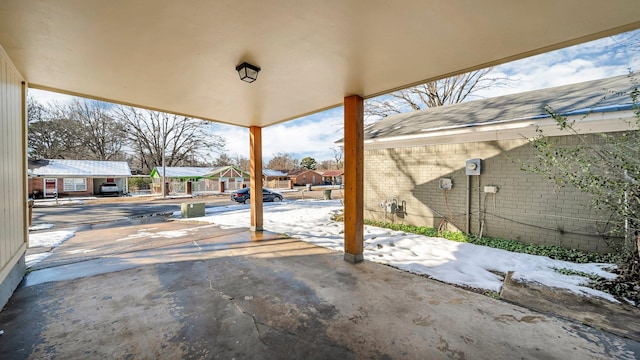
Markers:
(50, 187)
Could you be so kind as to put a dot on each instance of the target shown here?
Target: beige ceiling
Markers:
(180, 56)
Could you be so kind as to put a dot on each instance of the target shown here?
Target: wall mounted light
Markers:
(247, 72)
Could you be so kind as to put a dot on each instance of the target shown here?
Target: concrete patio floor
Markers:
(174, 290)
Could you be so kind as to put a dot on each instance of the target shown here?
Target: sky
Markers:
(315, 135)
(465, 264)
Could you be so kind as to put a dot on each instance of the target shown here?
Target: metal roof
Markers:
(273, 173)
(77, 168)
(301, 171)
(183, 171)
(193, 171)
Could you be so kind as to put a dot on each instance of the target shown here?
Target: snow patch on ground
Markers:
(169, 234)
(49, 239)
(46, 239)
(33, 259)
(47, 203)
(41, 227)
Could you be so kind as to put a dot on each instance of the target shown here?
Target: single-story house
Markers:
(276, 179)
(46, 178)
(229, 178)
(333, 177)
(199, 179)
(415, 168)
(305, 177)
(178, 179)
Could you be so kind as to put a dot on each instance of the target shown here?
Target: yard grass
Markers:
(552, 251)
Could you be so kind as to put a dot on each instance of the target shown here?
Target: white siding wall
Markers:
(13, 230)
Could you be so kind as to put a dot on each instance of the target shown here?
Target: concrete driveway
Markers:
(174, 290)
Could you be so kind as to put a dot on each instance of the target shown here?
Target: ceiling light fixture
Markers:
(247, 72)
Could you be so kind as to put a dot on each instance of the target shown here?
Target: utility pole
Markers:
(164, 168)
(164, 186)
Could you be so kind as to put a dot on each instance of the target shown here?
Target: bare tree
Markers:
(50, 136)
(338, 155)
(80, 129)
(283, 161)
(223, 160)
(101, 136)
(326, 165)
(182, 139)
(451, 90)
(241, 162)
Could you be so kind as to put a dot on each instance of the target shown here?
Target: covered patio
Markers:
(181, 57)
(221, 293)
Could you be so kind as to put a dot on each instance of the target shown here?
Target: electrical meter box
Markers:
(190, 210)
(473, 167)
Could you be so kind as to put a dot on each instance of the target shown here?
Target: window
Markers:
(73, 184)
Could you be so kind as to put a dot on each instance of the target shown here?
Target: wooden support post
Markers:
(353, 178)
(255, 184)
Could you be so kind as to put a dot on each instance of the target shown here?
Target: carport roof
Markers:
(180, 56)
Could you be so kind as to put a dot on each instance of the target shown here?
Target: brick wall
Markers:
(37, 184)
(527, 207)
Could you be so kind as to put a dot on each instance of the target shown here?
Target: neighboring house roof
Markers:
(228, 171)
(519, 113)
(333, 173)
(273, 173)
(181, 172)
(302, 171)
(194, 172)
(78, 168)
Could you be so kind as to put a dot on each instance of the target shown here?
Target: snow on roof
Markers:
(87, 168)
(301, 171)
(272, 173)
(183, 171)
(194, 172)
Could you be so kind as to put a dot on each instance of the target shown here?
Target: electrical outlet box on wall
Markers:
(445, 184)
(491, 189)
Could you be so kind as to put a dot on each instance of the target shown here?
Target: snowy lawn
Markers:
(448, 261)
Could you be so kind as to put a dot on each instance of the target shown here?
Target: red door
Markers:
(50, 187)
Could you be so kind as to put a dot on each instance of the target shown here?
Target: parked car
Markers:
(109, 189)
(243, 196)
